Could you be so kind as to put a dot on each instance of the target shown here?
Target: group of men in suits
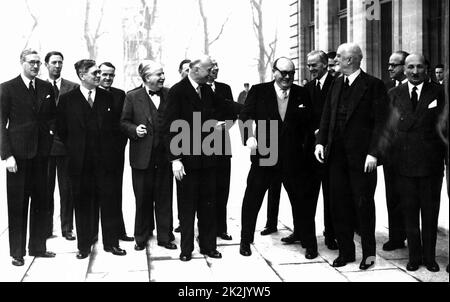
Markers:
(333, 133)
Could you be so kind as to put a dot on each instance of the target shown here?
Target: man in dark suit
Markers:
(282, 112)
(27, 118)
(350, 130)
(243, 95)
(317, 62)
(58, 162)
(142, 121)
(86, 124)
(397, 234)
(418, 159)
(439, 73)
(191, 103)
(107, 75)
(223, 164)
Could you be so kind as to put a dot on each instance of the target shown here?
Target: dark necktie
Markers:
(318, 86)
(32, 90)
(346, 83)
(414, 98)
(56, 90)
(89, 99)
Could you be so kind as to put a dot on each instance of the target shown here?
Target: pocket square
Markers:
(301, 106)
(109, 109)
(433, 104)
(48, 96)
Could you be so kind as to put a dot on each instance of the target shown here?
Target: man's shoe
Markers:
(213, 254)
(244, 249)
(69, 236)
(331, 244)
(46, 254)
(291, 239)
(432, 266)
(171, 237)
(168, 245)
(392, 245)
(412, 266)
(366, 263)
(311, 253)
(225, 236)
(185, 257)
(115, 250)
(126, 238)
(82, 255)
(268, 231)
(18, 261)
(139, 246)
(341, 261)
(177, 229)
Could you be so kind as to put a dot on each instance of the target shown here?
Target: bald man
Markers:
(283, 115)
(418, 160)
(348, 139)
(141, 120)
(191, 102)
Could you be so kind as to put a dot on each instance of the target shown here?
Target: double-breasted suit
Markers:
(289, 141)
(152, 175)
(418, 159)
(58, 165)
(90, 137)
(27, 124)
(350, 129)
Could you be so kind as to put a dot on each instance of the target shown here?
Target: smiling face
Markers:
(396, 67)
(316, 66)
(91, 78)
(284, 72)
(155, 80)
(31, 65)
(201, 72)
(107, 75)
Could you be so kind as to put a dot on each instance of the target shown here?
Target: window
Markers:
(342, 17)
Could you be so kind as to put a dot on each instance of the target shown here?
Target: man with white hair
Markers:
(192, 103)
(348, 140)
(141, 120)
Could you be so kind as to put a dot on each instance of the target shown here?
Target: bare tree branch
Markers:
(205, 26)
(221, 31)
(99, 24)
(87, 36)
(35, 23)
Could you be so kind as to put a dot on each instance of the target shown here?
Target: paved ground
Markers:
(271, 261)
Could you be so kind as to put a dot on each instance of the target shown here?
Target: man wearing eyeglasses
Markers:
(107, 75)
(27, 119)
(397, 234)
(86, 123)
(283, 115)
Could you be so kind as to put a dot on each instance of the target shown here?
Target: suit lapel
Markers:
(425, 97)
(336, 93)
(25, 93)
(272, 103)
(80, 113)
(144, 100)
(358, 90)
(292, 104)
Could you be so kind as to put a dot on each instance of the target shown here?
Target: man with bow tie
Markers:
(283, 115)
(27, 124)
(58, 163)
(86, 124)
(418, 160)
(141, 121)
(348, 139)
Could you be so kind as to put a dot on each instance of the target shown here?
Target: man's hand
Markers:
(251, 143)
(11, 164)
(178, 169)
(320, 153)
(141, 131)
(371, 164)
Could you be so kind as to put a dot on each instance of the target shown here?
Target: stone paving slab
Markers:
(130, 276)
(380, 275)
(309, 272)
(423, 274)
(196, 270)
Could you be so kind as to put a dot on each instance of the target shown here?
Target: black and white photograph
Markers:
(224, 148)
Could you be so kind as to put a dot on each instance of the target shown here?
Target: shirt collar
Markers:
(193, 83)
(27, 81)
(279, 91)
(322, 79)
(419, 88)
(85, 92)
(58, 81)
(352, 77)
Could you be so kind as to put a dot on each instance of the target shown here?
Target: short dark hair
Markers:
(322, 55)
(331, 55)
(403, 53)
(439, 66)
(82, 66)
(182, 63)
(107, 64)
(52, 53)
